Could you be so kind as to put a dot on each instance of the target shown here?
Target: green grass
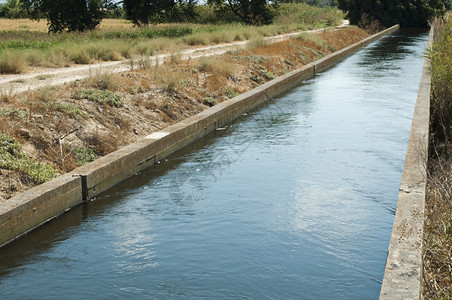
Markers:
(100, 96)
(12, 158)
(84, 155)
(18, 113)
(67, 108)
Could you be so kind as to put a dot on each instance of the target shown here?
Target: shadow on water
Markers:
(386, 53)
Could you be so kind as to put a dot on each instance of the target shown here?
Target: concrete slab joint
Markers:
(90, 180)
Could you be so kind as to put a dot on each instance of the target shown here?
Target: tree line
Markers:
(81, 15)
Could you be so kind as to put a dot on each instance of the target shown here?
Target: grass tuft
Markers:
(100, 96)
(12, 158)
(12, 63)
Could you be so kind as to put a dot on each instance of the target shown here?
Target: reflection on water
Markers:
(294, 200)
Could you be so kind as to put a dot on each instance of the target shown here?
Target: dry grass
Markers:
(41, 25)
(12, 63)
(438, 228)
(438, 232)
(216, 66)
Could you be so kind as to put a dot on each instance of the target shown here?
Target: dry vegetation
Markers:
(67, 126)
(438, 222)
(25, 44)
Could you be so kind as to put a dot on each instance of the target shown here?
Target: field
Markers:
(25, 44)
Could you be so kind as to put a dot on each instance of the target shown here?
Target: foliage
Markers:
(12, 9)
(67, 108)
(391, 12)
(100, 96)
(441, 96)
(438, 231)
(70, 15)
(142, 12)
(250, 12)
(84, 155)
(18, 113)
(12, 158)
(287, 13)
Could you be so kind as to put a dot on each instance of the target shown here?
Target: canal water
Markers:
(294, 200)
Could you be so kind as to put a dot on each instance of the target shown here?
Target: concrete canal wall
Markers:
(403, 272)
(38, 205)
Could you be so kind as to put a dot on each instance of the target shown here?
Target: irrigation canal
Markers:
(295, 200)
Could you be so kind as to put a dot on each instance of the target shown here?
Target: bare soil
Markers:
(56, 121)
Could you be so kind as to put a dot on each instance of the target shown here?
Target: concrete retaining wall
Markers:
(36, 206)
(403, 273)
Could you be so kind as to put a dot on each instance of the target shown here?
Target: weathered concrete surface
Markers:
(403, 273)
(34, 207)
(37, 206)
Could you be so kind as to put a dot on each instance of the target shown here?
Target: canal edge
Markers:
(404, 265)
(38, 205)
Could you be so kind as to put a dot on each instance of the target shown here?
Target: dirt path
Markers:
(13, 84)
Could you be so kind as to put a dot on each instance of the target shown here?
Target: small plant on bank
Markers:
(210, 101)
(18, 113)
(12, 158)
(68, 108)
(84, 155)
(100, 96)
(215, 66)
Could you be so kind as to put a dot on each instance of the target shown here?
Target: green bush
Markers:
(84, 155)
(12, 158)
(14, 113)
(100, 96)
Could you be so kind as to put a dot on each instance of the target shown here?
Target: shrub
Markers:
(12, 158)
(12, 63)
(84, 155)
(67, 108)
(215, 66)
(256, 43)
(14, 112)
(100, 96)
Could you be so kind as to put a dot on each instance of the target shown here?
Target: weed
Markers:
(316, 39)
(171, 80)
(103, 81)
(209, 101)
(438, 231)
(231, 93)
(256, 43)
(100, 96)
(18, 113)
(215, 66)
(84, 155)
(266, 74)
(12, 63)
(68, 108)
(12, 158)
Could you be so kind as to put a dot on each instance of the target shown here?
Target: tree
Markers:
(12, 9)
(142, 12)
(391, 12)
(251, 12)
(70, 15)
